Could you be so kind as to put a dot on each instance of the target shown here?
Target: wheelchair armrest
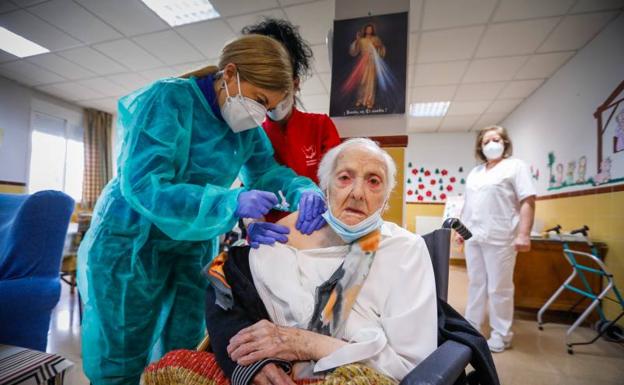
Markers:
(442, 367)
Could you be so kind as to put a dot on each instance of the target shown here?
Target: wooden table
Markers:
(541, 271)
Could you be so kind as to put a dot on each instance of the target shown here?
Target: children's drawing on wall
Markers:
(582, 169)
(571, 171)
(535, 173)
(433, 184)
(568, 173)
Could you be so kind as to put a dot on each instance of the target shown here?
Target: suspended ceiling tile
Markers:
(543, 65)
(92, 60)
(449, 44)
(314, 19)
(130, 17)
(61, 66)
(575, 31)
(520, 88)
(238, 22)
(36, 30)
(493, 69)
(531, 9)
(238, 7)
(439, 73)
(452, 13)
(169, 47)
(478, 91)
(75, 20)
(129, 54)
(515, 38)
(197, 34)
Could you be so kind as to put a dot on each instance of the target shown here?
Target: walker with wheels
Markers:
(608, 329)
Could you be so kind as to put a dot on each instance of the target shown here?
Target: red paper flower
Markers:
(444, 172)
(420, 197)
(433, 181)
(421, 186)
(427, 173)
(443, 196)
(410, 192)
(452, 179)
(449, 188)
(415, 172)
(428, 193)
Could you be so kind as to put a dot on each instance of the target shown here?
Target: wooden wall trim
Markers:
(6, 182)
(599, 190)
(388, 141)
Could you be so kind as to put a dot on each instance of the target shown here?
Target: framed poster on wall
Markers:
(369, 62)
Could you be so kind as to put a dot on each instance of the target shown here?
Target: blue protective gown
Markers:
(156, 224)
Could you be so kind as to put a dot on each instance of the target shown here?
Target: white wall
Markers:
(16, 104)
(558, 117)
(15, 124)
(437, 151)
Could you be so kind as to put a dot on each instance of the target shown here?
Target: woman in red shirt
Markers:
(300, 139)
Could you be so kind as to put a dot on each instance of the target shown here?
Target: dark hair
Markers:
(287, 34)
(369, 25)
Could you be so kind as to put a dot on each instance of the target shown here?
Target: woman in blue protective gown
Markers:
(155, 226)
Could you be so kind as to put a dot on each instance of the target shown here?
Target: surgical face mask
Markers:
(350, 233)
(240, 112)
(282, 109)
(493, 150)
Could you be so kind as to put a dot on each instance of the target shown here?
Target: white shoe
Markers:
(497, 345)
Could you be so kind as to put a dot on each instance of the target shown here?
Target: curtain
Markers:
(98, 165)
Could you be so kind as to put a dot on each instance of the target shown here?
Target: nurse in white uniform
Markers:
(499, 210)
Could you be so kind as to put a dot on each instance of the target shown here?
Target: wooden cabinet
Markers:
(541, 271)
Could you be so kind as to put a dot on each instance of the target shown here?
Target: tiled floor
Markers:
(537, 357)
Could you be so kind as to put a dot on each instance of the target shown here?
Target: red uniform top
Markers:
(301, 144)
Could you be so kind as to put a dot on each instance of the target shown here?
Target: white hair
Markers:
(328, 163)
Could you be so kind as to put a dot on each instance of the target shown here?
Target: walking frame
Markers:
(609, 329)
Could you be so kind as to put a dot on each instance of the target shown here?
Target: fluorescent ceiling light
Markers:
(180, 12)
(19, 46)
(429, 109)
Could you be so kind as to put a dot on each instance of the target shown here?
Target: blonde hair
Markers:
(504, 136)
(260, 60)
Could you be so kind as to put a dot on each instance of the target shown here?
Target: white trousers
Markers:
(490, 275)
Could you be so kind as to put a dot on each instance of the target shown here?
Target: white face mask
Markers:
(282, 109)
(350, 233)
(240, 112)
(493, 150)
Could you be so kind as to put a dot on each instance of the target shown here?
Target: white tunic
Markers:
(393, 324)
(492, 204)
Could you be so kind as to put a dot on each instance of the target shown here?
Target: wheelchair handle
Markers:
(556, 229)
(583, 230)
(457, 225)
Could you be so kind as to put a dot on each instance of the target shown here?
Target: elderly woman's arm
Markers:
(264, 339)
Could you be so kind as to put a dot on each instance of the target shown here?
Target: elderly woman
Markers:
(359, 290)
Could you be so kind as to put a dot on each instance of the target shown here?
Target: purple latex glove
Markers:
(311, 206)
(255, 204)
(265, 233)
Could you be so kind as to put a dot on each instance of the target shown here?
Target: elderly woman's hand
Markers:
(271, 374)
(267, 340)
(264, 339)
(311, 206)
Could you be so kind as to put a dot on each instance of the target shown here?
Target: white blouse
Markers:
(492, 205)
(393, 324)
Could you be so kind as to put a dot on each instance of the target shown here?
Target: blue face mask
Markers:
(350, 233)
